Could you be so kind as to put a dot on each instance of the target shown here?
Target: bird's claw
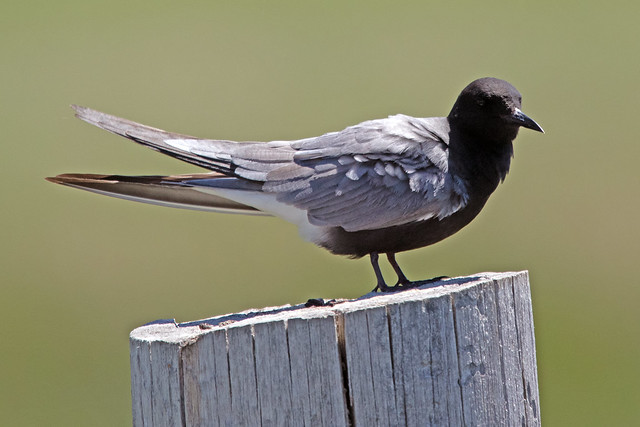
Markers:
(399, 286)
(403, 285)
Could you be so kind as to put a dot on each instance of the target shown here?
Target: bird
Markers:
(382, 186)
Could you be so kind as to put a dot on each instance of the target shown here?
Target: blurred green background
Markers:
(79, 271)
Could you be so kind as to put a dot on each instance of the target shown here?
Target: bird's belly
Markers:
(398, 238)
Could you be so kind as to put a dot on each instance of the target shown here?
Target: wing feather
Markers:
(377, 174)
(382, 173)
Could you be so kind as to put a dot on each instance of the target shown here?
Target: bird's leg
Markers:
(381, 285)
(402, 279)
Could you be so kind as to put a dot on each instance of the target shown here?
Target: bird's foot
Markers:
(383, 287)
(406, 284)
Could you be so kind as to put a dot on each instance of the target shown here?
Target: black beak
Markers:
(525, 121)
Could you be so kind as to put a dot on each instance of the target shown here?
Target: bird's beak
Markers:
(525, 121)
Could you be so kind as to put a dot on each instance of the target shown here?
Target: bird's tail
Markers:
(210, 154)
(181, 191)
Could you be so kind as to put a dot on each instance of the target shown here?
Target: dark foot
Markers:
(408, 284)
(319, 302)
(403, 282)
(383, 287)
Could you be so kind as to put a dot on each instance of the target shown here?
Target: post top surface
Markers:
(169, 331)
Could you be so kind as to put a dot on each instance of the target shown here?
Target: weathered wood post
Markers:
(460, 352)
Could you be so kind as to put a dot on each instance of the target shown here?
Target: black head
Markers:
(490, 108)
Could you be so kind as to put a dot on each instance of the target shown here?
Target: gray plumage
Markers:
(383, 185)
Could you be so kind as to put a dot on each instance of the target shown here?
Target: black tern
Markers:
(381, 186)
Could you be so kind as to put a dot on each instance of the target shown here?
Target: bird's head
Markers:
(490, 108)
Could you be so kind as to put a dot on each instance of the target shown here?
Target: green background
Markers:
(80, 271)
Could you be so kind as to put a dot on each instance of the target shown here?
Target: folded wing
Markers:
(377, 174)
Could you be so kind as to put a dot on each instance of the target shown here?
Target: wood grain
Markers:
(458, 352)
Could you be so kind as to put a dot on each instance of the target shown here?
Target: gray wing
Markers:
(380, 173)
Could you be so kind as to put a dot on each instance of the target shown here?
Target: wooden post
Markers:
(459, 352)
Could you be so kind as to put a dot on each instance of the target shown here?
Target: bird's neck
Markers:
(481, 162)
